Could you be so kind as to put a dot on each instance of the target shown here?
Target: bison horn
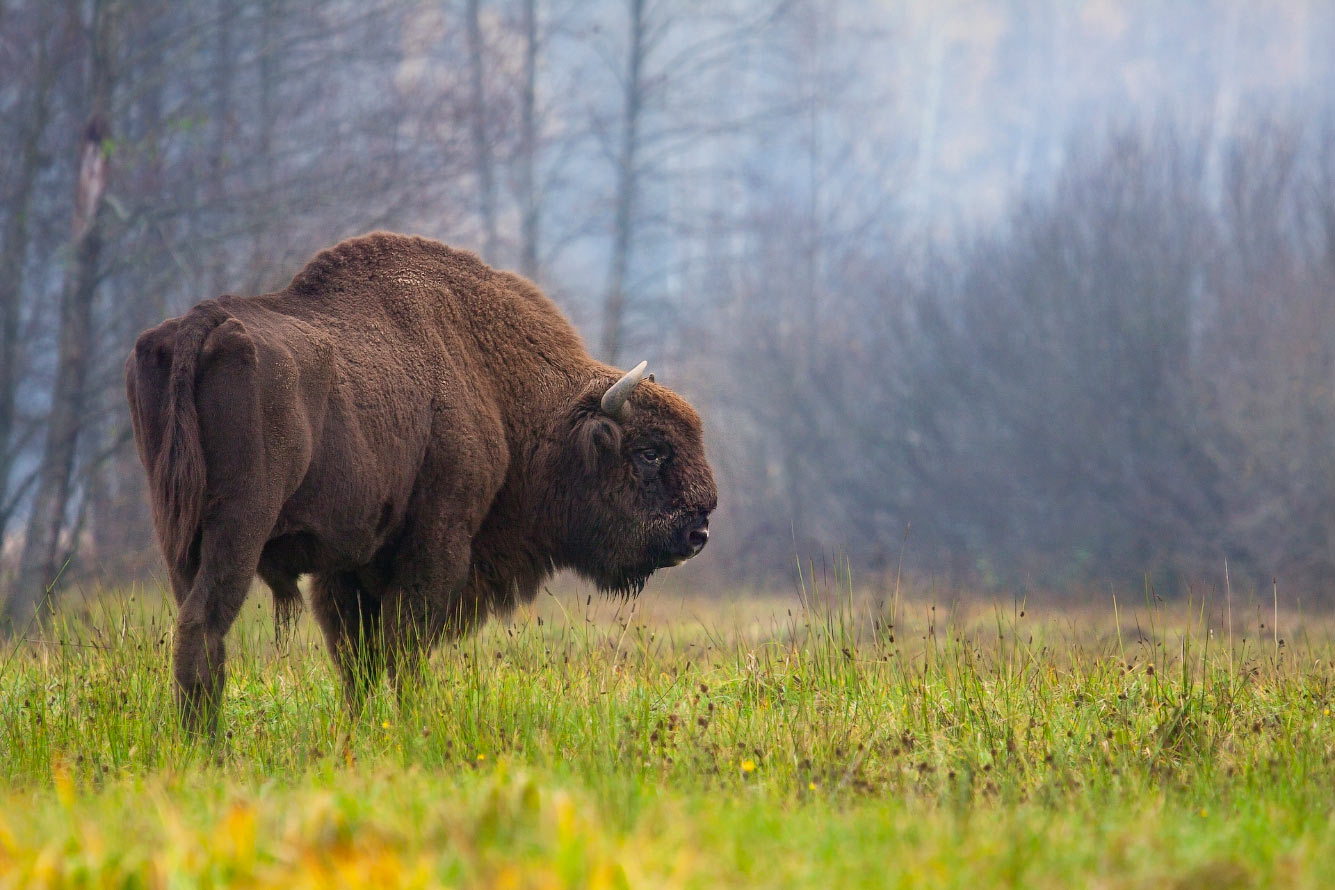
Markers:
(614, 400)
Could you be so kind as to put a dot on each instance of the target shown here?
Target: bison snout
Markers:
(698, 538)
(694, 536)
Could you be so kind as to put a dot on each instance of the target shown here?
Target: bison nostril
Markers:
(697, 539)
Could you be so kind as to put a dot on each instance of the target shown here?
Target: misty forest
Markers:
(1023, 293)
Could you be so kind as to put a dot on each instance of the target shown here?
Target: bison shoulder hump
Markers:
(363, 256)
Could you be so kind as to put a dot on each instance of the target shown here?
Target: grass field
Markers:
(690, 742)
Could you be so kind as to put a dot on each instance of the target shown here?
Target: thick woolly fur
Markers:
(419, 432)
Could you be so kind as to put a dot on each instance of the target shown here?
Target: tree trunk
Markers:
(481, 143)
(12, 253)
(41, 559)
(614, 303)
(263, 253)
(223, 70)
(528, 146)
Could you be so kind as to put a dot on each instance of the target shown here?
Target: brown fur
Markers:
(420, 432)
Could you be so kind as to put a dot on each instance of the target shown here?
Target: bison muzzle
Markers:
(424, 435)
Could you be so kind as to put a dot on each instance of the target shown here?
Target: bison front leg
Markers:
(424, 600)
(349, 615)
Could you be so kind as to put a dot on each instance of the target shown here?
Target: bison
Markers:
(423, 434)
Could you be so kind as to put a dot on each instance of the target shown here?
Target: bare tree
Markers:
(663, 111)
(482, 138)
(31, 123)
(41, 557)
(638, 43)
(529, 199)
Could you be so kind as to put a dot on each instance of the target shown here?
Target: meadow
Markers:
(828, 738)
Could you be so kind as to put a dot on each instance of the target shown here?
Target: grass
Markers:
(688, 742)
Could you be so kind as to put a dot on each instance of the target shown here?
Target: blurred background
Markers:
(1028, 294)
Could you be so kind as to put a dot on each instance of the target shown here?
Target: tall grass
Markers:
(690, 742)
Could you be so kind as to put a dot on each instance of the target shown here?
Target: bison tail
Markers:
(178, 473)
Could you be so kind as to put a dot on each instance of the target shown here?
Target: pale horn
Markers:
(614, 400)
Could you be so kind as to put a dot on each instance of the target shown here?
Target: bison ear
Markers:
(596, 438)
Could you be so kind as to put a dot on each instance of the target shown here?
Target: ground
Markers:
(825, 738)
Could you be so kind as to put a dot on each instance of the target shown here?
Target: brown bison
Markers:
(425, 435)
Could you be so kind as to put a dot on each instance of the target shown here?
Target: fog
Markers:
(1004, 295)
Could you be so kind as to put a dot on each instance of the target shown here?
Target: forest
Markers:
(995, 292)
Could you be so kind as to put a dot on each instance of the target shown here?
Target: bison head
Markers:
(632, 487)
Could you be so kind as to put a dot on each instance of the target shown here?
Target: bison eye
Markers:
(652, 456)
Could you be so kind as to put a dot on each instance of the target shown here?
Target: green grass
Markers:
(686, 742)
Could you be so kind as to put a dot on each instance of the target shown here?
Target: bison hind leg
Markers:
(207, 613)
(349, 616)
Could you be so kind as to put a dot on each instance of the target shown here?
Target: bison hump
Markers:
(365, 257)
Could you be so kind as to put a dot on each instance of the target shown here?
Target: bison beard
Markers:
(424, 435)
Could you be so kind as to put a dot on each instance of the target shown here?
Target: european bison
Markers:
(425, 435)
